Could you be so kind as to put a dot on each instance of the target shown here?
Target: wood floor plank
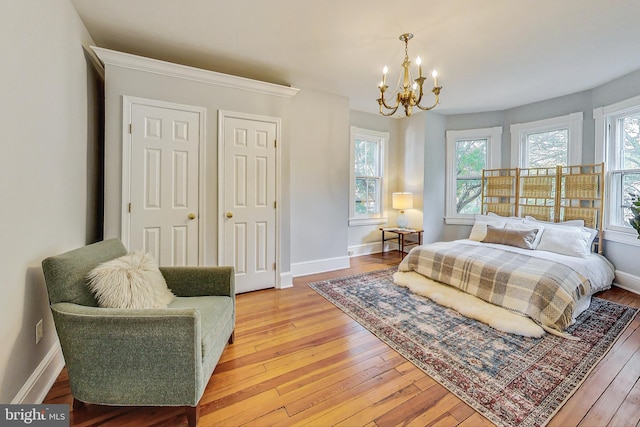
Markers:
(629, 410)
(412, 408)
(299, 360)
(373, 410)
(608, 403)
(335, 385)
(365, 408)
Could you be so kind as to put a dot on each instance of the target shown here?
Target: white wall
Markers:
(45, 180)
(434, 178)
(319, 133)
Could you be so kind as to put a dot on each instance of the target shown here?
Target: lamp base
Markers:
(403, 221)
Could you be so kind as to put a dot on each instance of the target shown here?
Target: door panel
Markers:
(164, 184)
(249, 202)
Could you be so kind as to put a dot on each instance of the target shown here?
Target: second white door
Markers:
(249, 201)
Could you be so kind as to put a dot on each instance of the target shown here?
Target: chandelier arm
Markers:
(436, 91)
(383, 102)
(390, 113)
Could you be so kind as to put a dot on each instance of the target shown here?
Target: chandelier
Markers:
(407, 96)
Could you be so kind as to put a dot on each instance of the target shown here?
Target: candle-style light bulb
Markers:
(419, 62)
(434, 74)
(385, 70)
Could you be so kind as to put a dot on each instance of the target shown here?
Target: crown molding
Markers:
(141, 63)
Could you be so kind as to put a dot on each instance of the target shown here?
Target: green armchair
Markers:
(140, 357)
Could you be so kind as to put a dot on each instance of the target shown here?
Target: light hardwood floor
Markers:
(299, 360)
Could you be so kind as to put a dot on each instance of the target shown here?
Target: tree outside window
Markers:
(468, 153)
(471, 158)
(367, 172)
(547, 149)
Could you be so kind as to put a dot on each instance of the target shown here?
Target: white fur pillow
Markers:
(131, 281)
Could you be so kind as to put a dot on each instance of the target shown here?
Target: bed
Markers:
(535, 250)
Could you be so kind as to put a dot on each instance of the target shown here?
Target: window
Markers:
(618, 145)
(547, 143)
(468, 152)
(367, 177)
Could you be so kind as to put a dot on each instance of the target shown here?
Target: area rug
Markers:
(510, 379)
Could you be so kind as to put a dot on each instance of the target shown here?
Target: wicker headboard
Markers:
(556, 194)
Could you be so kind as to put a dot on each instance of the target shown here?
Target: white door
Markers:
(164, 177)
(248, 203)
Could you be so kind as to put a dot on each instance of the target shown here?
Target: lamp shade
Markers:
(402, 201)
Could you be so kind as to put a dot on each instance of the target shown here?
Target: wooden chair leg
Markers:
(77, 404)
(232, 338)
(193, 414)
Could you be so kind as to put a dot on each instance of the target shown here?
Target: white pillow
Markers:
(527, 227)
(574, 223)
(572, 241)
(507, 218)
(479, 229)
(131, 281)
(570, 223)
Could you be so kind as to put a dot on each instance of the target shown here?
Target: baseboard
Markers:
(42, 379)
(319, 266)
(627, 282)
(286, 280)
(371, 248)
(366, 249)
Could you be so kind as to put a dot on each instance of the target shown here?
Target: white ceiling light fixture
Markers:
(407, 96)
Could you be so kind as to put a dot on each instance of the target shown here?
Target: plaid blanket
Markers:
(545, 291)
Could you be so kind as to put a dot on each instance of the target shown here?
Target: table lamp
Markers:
(402, 201)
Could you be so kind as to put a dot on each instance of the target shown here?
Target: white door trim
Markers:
(222, 115)
(127, 107)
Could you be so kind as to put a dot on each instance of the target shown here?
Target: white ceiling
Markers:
(490, 54)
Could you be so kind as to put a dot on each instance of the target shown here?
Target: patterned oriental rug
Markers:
(510, 379)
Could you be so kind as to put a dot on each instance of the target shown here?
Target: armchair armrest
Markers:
(200, 281)
(131, 352)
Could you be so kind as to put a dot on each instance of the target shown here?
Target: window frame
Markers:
(520, 132)
(382, 139)
(494, 143)
(607, 151)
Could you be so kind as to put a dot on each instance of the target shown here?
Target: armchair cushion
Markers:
(130, 281)
(66, 274)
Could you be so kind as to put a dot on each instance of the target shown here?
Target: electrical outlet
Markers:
(39, 331)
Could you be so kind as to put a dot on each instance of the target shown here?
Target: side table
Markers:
(400, 234)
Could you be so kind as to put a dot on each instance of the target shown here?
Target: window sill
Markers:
(454, 220)
(622, 237)
(357, 222)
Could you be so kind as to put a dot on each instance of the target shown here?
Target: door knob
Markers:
(191, 216)
(229, 214)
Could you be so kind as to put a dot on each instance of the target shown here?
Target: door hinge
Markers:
(130, 128)
(275, 205)
(129, 207)
(275, 143)
(274, 265)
